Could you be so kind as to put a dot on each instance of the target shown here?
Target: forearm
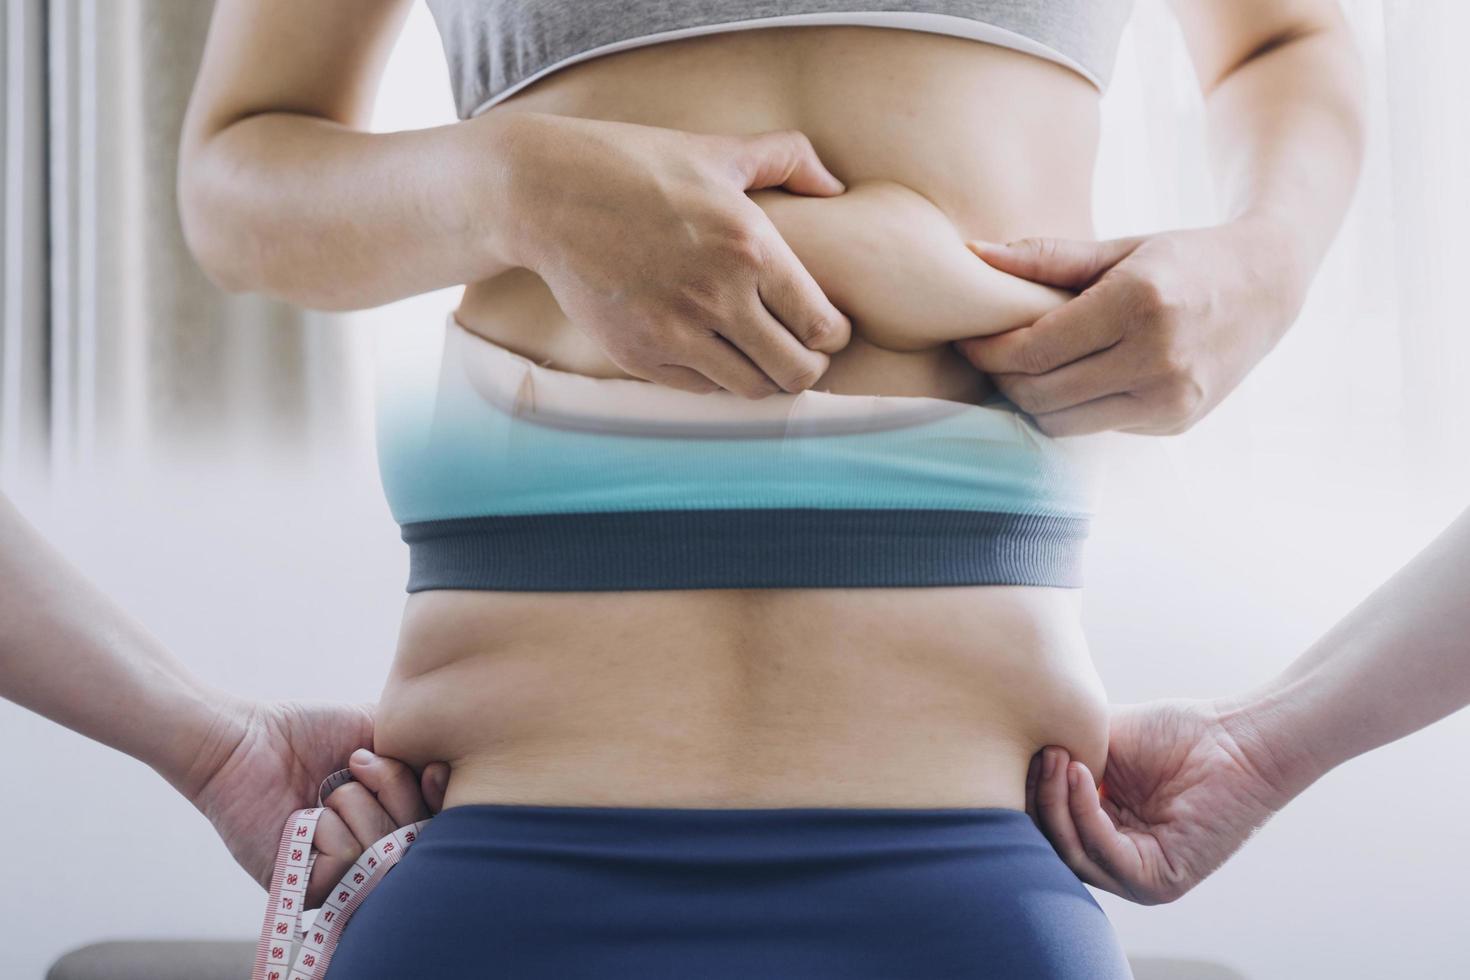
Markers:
(69, 653)
(330, 217)
(1286, 131)
(1398, 662)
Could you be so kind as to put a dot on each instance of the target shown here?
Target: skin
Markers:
(1168, 324)
(1188, 782)
(625, 217)
(69, 653)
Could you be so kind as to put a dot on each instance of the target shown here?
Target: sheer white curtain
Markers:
(115, 350)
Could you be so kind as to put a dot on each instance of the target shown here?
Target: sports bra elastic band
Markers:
(508, 475)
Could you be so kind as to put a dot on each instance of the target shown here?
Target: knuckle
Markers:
(1161, 301)
(1033, 358)
(1179, 402)
(698, 294)
(700, 386)
(797, 140)
(1148, 293)
(677, 376)
(1041, 248)
(1172, 363)
(824, 328)
(1187, 396)
(348, 794)
(803, 376)
(743, 244)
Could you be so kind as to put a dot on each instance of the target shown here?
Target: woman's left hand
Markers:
(1187, 782)
(272, 757)
(1163, 328)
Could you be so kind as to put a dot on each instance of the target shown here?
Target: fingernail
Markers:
(362, 757)
(982, 243)
(1048, 762)
(1074, 777)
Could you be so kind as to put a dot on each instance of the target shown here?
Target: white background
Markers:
(1219, 556)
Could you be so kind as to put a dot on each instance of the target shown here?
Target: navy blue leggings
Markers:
(529, 892)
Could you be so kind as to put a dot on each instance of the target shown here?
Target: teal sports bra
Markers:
(507, 475)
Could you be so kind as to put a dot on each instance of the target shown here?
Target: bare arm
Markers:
(1398, 662)
(1284, 97)
(1187, 782)
(69, 653)
(1168, 324)
(282, 192)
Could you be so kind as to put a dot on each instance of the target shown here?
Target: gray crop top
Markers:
(497, 47)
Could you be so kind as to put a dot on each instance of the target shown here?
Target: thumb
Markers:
(785, 158)
(1067, 263)
(433, 784)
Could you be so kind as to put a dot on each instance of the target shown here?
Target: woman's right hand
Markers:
(648, 241)
(267, 758)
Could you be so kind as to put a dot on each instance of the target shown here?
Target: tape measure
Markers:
(287, 949)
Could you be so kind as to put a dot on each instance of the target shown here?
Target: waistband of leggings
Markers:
(630, 831)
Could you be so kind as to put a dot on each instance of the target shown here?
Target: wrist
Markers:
(1275, 732)
(205, 726)
(504, 155)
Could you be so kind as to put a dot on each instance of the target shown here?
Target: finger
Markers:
(785, 158)
(1033, 775)
(1104, 373)
(1099, 415)
(337, 848)
(435, 782)
(1056, 818)
(677, 376)
(393, 783)
(1083, 325)
(725, 364)
(361, 812)
(1069, 263)
(809, 320)
(1110, 850)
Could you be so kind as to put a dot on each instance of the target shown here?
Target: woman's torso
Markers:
(773, 697)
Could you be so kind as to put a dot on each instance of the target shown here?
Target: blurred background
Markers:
(209, 461)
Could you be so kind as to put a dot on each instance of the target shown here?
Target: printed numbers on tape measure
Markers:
(282, 933)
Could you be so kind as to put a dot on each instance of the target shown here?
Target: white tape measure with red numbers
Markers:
(289, 951)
